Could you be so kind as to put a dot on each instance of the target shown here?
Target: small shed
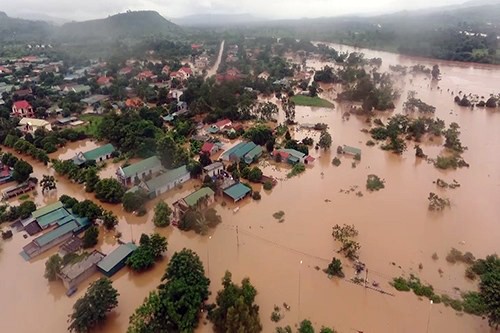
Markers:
(116, 260)
(237, 192)
(351, 150)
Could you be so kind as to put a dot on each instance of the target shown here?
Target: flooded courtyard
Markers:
(397, 232)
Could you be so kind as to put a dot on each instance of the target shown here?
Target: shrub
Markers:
(256, 195)
(268, 185)
(336, 161)
(374, 183)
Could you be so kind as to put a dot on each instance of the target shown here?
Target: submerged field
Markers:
(312, 101)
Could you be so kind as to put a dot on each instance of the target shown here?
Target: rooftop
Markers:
(237, 191)
(213, 166)
(22, 104)
(49, 218)
(194, 197)
(56, 233)
(166, 178)
(47, 209)
(116, 256)
(71, 272)
(141, 166)
(294, 153)
(94, 154)
(351, 150)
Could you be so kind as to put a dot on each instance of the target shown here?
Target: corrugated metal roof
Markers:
(116, 256)
(243, 150)
(52, 217)
(56, 233)
(139, 167)
(194, 197)
(295, 153)
(166, 178)
(237, 191)
(94, 154)
(47, 209)
(252, 154)
(71, 272)
(351, 150)
(233, 149)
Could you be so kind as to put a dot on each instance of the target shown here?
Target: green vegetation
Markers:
(436, 203)
(175, 306)
(413, 104)
(91, 310)
(162, 215)
(109, 220)
(22, 171)
(279, 215)
(345, 234)
(134, 200)
(234, 309)
(12, 213)
(92, 127)
(450, 162)
(151, 249)
(336, 161)
(297, 169)
(374, 183)
(48, 183)
(455, 256)
(335, 268)
(90, 237)
(200, 220)
(311, 101)
(305, 327)
(256, 195)
(325, 140)
(268, 185)
(53, 267)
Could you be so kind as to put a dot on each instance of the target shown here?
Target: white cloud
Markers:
(88, 9)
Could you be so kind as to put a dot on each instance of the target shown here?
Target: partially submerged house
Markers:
(243, 151)
(293, 156)
(116, 260)
(96, 155)
(214, 169)
(138, 171)
(204, 196)
(22, 109)
(237, 191)
(351, 150)
(30, 125)
(74, 274)
(209, 148)
(165, 181)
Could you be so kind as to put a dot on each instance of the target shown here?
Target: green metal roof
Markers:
(233, 149)
(47, 209)
(166, 178)
(351, 150)
(94, 154)
(243, 150)
(194, 197)
(295, 153)
(56, 233)
(252, 154)
(237, 191)
(54, 216)
(139, 167)
(116, 256)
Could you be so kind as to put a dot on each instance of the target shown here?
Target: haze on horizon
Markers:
(276, 9)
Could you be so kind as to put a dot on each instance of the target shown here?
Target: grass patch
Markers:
(311, 101)
(93, 122)
(24, 197)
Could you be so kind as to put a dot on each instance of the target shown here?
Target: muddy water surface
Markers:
(396, 231)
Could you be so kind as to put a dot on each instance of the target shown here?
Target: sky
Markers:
(89, 9)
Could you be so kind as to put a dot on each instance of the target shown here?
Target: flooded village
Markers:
(256, 148)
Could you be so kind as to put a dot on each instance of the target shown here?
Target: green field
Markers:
(311, 101)
(93, 123)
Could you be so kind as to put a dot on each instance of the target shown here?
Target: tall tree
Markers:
(48, 183)
(172, 155)
(92, 309)
(22, 171)
(53, 267)
(235, 310)
(325, 140)
(162, 214)
(109, 190)
(109, 220)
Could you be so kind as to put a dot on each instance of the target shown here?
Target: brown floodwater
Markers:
(394, 226)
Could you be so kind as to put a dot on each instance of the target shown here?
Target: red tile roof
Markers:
(145, 74)
(207, 147)
(22, 104)
(125, 70)
(223, 122)
(186, 70)
(310, 159)
(103, 80)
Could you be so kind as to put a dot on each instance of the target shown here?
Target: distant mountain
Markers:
(215, 20)
(132, 24)
(22, 30)
(28, 15)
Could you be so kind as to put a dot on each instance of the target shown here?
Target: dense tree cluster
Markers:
(151, 249)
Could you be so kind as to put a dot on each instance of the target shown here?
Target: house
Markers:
(30, 125)
(96, 155)
(72, 245)
(253, 155)
(166, 69)
(209, 148)
(214, 169)
(74, 274)
(52, 238)
(238, 152)
(50, 215)
(237, 192)
(187, 72)
(134, 103)
(5, 70)
(166, 181)
(204, 196)
(291, 156)
(116, 260)
(182, 108)
(145, 76)
(104, 81)
(351, 151)
(22, 109)
(23, 93)
(125, 71)
(138, 171)
(219, 126)
(77, 89)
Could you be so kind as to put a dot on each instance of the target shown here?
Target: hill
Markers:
(14, 29)
(132, 24)
(215, 20)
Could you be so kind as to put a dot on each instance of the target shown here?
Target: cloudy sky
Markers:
(89, 9)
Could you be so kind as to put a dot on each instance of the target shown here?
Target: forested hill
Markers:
(14, 29)
(126, 25)
(451, 33)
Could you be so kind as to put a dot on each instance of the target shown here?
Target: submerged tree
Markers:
(235, 310)
(325, 140)
(48, 183)
(53, 267)
(92, 309)
(162, 214)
